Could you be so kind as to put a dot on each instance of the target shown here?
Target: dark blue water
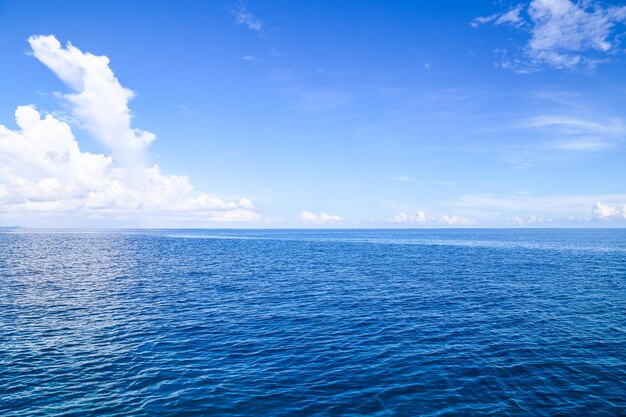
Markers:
(338, 323)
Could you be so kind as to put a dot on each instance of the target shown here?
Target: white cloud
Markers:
(525, 220)
(576, 133)
(43, 170)
(243, 16)
(569, 125)
(512, 16)
(100, 102)
(417, 217)
(452, 220)
(420, 217)
(563, 34)
(310, 217)
(590, 144)
(562, 30)
(566, 206)
(605, 211)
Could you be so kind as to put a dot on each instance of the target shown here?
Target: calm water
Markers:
(289, 323)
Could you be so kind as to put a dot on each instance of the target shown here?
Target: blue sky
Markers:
(313, 114)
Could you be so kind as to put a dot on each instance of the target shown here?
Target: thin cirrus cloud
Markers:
(243, 16)
(44, 171)
(513, 16)
(603, 207)
(563, 34)
(573, 133)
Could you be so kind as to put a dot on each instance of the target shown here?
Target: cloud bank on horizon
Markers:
(44, 170)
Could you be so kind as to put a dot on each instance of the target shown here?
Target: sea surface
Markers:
(312, 323)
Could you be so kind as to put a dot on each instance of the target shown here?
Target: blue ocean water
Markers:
(324, 323)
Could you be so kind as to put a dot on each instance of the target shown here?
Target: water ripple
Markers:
(283, 323)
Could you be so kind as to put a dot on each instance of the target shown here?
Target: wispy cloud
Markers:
(582, 206)
(243, 16)
(408, 179)
(563, 34)
(582, 145)
(513, 17)
(577, 125)
(575, 133)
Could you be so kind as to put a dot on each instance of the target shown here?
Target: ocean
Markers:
(313, 322)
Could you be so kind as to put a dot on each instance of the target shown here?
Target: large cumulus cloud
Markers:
(43, 170)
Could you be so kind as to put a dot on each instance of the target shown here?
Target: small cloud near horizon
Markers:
(321, 218)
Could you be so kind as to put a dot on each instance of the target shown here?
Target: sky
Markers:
(272, 114)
